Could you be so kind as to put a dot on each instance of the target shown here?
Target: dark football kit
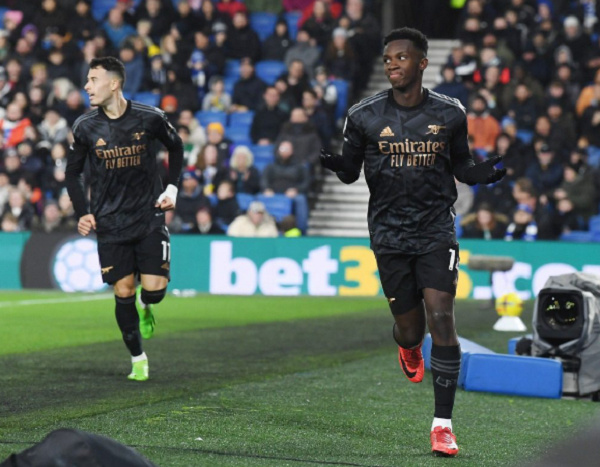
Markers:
(124, 186)
(408, 155)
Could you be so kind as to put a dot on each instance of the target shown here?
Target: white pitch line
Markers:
(47, 301)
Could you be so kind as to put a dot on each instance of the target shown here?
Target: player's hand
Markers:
(485, 172)
(86, 224)
(331, 161)
(166, 201)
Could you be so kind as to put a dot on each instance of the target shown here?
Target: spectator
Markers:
(207, 167)
(213, 53)
(303, 136)
(523, 108)
(9, 223)
(204, 224)
(288, 176)
(190, 150)
(575, 198)
(589, 94)
(210, 16)
(231, 7)
(226, 208)
(48, 16)
(170, 106)
(14, 125)
(73, 107)
(289, 228)
(334, 8)
(134, 69)
(241, 173)
(485, 224)
(116, 28)
(242, 40)
(160, 14)
(268, 119)
(52, 220)
(515, 156)
(215, 134)
(318, 117)
(248, 90)
(304, 50)
(182, 89)
(277, 44)
(5, 187)
(545, 172)
(339, 57)
(156, 79)
(297, 82)
(18, 206)
(186, 20)
(216, 100)
(255, 223)
(575, 38)
(482, 126)
(522, 226)
(319, 24)
(451, 86)
(197, 133)
(326, 91)
(12, 166)
(82, 24)
(189, 200)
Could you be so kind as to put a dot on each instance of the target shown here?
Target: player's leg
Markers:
(117, 266)
(437, 273)
(153, 261)
(406, 305)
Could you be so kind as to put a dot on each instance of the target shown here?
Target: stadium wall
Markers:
(281, 266)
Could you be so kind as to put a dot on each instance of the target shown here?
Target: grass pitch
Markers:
(254, 381)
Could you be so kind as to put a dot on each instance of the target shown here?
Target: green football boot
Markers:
(139, 371)
(146, 316)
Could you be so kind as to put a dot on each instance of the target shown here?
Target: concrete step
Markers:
(348, 197)
(337, 224)
(346, 189)
(342, 214)
(347, 233)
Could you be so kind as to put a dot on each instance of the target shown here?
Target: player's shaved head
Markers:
(112, 65)
(418, 39)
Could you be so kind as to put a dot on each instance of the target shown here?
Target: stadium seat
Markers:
(270, 70)
(292, 18)
(263, 155)
(581, 236)
(594, 224)
(205, 117)
(229, 83)
(263, 23)
(525, 136)
(232, 68)
(100, 8)
(239, 134)
(278, 206)
(457, 226)
(148, 98)
(342, 100)
(244, 200)
(241, 118)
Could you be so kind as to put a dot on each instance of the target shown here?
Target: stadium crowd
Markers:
(254, 95)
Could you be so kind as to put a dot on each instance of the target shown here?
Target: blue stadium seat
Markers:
(239, 134)
(241, 118)
(205, 117)
(263, 155)
(3, 10)
(101, 7)
(232, 68)
(594, 224)
(525, 136)
(270, 70)
(244, 200)
(342, 99)
(580, 236)
(278, 206)
(263, 23)
(457, 226)
(148, 98)
(292, 18)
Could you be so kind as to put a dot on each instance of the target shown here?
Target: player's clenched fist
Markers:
(86, 224)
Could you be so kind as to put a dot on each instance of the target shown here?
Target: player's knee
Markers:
(153, 296)
(123, 290)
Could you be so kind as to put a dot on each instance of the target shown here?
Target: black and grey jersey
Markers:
(124, 179)
(408, 154)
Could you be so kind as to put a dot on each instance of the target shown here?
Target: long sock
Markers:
(129, 324)
(445, 367)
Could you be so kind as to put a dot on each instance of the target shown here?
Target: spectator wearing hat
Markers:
(522, 226)
(268, 119)
(257, 222)
(170, 105)
(277, 44)
(205, 224)
(339, 57)
(544, 172)
(242, 41)
(248, 90)
(305, 50)
(319, 24)
(483, 128)
(215, 135)
(189, 199)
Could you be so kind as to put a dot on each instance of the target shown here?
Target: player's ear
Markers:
(423, 63)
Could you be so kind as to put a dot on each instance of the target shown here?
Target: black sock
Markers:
(129, 324)
(154, 296)
(445, 367)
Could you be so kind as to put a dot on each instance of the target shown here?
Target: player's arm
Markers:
(74, 182)
(347, 165)
(464, 167)
(168, 136)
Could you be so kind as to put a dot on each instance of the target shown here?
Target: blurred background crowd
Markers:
(256, 88)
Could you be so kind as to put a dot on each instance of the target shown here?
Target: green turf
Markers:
(257, 384)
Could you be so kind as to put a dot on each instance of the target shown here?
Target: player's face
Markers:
(100, 86)
(403, 64)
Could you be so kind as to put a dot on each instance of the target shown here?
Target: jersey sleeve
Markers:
(73, 179)
(459, 149)
(168, 136)
(353, 150)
